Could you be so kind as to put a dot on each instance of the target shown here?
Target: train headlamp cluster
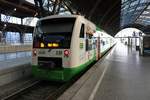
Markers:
(49, 44)
(55, 44)
(42, 45)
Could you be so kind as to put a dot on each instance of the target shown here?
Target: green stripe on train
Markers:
(60, 75)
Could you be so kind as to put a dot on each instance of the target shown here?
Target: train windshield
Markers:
(57, 30)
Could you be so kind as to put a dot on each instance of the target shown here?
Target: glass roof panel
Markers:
(48, 5)
(133, 10)
(30, 1)
(144, 17)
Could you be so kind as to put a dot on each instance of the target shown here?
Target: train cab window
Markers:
(82, 31)
(55, 30)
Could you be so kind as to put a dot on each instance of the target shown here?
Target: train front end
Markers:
(51, 48)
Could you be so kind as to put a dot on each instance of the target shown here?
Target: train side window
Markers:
(89, 42)
(90, 36)
(82, 31)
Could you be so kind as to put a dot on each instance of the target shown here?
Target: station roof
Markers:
(104, 13)
(15, 28)
(135, 12)
(18, 8)
(144, 18)
(108, 15)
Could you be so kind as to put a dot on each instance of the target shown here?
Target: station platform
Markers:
(121, 75)
(14, 66)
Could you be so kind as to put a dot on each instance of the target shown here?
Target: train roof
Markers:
(61, 16)
(88, 22)
(67, 16)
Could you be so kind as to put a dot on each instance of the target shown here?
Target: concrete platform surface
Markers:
(121, 75)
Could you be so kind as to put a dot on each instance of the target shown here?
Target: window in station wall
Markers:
(10, 19)
(12, 37)
(30, 21)
(30, 1)
(28, 38)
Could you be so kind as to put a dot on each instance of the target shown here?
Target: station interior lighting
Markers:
(15, 9)
(5, 25)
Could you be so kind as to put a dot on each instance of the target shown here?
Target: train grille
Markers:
(50, 63)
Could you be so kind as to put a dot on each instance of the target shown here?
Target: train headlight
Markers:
(49, 44)
(66, 53)
(55, 44)
(42, 45)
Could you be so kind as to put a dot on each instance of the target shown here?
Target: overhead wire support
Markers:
(68, 7)
(94, 8)
(54, 7)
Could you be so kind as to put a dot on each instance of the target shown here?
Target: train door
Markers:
(98, 48)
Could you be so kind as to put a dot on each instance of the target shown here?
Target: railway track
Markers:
(42, 90)
(39, 90)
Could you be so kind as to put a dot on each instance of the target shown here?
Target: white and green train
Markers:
(63, 46)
